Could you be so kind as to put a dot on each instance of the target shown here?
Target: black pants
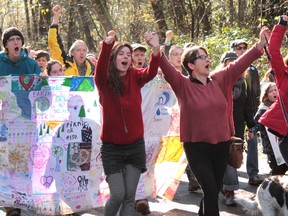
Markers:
(208, 163)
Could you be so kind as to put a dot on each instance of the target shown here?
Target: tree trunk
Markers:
(27, 19)
(159, 17)
(71, 25)
(192, 26)
(86, 27)
(103, 15)
(135, 23)
(34, 8)
(241, 12)
(231, 12)
(206, 5)
(44, 19)
(179, 13)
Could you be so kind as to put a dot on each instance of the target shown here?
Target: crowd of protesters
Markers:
(224, 103)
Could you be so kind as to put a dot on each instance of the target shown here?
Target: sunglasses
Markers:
(241, 47)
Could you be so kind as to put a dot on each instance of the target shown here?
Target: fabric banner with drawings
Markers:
(50, 148)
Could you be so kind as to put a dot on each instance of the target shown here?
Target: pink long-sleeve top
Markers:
(206, 110)
(122, 115)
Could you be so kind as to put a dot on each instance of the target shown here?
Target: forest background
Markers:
(212, 24)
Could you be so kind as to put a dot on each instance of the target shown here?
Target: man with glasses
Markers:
(13, 59)
(174, 57)
(240, 47)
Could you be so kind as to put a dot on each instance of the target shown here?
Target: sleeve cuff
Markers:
(282, 22)
(54, 26)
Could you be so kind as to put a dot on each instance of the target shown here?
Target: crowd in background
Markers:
(232, 100)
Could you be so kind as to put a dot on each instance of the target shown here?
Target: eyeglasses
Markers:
(176, 54)
(204, 57)
(241, 47)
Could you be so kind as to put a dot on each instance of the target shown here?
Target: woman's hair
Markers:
(114, 79)
(49, 65)
(264, 92)
(42, 53)
(268, 76)
(190, 55)
(75, 44)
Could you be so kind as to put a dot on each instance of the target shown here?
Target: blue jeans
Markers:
(230, 180)
(252, 157)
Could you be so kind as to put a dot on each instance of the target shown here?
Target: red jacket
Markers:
(122, 115)
(274, 118)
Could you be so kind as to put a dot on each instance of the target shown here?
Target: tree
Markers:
(86, 23)
(103, 14)
(159, 16)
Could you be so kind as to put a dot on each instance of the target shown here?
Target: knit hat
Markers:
(238, 42)
(9, 32)
(136, 46)
(228, 55)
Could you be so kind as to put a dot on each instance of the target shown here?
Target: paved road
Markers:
(186, 203)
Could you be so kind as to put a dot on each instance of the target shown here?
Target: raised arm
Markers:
(152, 40)
(275, 42)
(54, 40)
(233, 71)
(147, 74)
(101, 73)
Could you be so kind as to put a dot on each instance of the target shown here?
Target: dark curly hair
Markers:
(114, 79)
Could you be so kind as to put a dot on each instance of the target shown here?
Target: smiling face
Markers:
(123, 60)
(13, 47)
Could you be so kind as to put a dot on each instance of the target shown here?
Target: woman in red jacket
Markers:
(123, 149)
(276, 118)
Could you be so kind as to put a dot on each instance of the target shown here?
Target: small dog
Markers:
(271, 198)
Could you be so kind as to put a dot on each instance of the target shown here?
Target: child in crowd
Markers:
(42, 57)
(54, 68)
(267, 98)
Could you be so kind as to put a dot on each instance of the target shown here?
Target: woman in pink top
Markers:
(123, 150)
(206, 122)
